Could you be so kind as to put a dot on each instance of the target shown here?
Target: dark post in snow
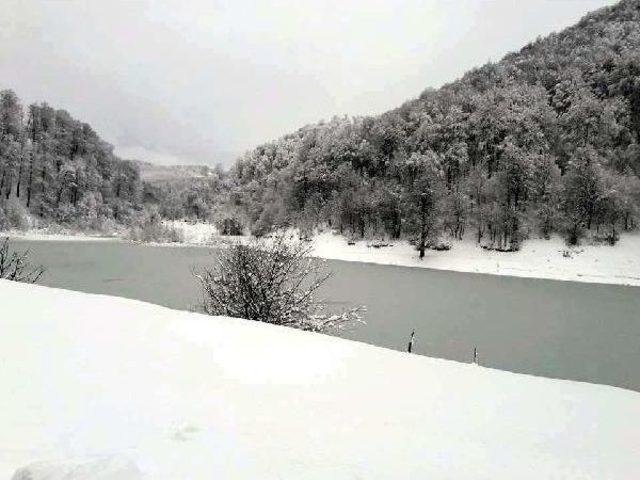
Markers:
(475, 355)
(410, 346)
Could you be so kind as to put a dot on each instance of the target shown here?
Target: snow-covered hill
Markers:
(134, 390)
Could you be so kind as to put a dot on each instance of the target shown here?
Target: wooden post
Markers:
(410, 346)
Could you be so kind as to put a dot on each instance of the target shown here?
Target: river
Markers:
(577, 331)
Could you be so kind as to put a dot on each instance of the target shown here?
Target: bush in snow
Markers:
(274, 281)
(16, 266)
(150, 228)
(230, 226)
(155, 232)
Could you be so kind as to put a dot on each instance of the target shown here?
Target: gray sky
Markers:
(199, 82)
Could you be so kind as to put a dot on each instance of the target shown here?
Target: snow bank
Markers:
(195, 233)
(185, 396)
(107, 468)
(46, 235)
(538, 258)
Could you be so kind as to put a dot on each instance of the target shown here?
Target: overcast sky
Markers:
(199, 82)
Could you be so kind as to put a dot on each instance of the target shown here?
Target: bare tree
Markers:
(16, 266)
(273, 281)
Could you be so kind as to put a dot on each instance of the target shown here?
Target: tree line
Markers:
(546, 140)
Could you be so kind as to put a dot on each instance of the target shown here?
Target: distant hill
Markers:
(153, 173)
(545, 140)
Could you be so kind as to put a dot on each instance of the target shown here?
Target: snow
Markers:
(198, 233)
(97, 386)
(538, 258)
(105, 468)
(45, 235)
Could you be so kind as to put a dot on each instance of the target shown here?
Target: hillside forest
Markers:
(545, 141)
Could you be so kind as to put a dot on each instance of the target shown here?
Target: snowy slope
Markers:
(176, 395)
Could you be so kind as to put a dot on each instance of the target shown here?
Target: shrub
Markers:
(16, 266)
(271, 281)
(155, 231)
(229, 226)
(265, 224)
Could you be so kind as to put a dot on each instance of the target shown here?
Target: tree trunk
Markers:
(30, 181)
(9, 187)
(59, 197)
(423, 227)
(75, 190)
(44, 189)
(19, 180)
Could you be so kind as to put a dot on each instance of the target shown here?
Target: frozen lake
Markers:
(577, 331)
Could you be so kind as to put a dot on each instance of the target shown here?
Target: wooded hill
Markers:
(59, 170)
(545, 140)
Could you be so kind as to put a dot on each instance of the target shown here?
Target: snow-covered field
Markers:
(104, 388)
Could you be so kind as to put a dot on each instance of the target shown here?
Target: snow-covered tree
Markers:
(274, 281)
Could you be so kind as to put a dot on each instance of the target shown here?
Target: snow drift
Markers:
(101, 468)
(177, 395)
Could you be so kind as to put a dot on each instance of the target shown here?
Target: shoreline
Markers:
(538, 258)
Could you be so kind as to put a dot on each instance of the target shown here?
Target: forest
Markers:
(57, 169)
(545, 141)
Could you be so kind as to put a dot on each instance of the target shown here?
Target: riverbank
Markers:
(100, 382)
(538, 258)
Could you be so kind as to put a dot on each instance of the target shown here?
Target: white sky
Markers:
(200, 81)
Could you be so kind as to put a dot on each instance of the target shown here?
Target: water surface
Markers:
(577, 331)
